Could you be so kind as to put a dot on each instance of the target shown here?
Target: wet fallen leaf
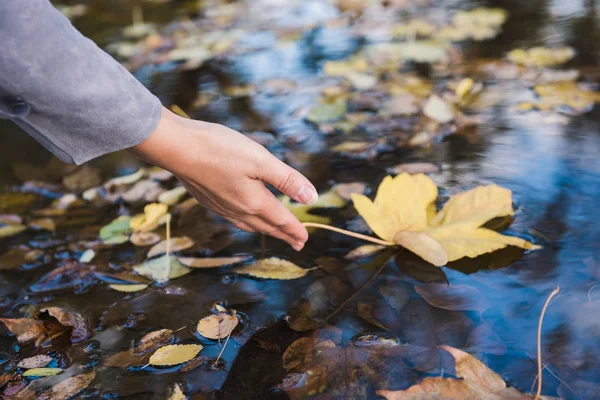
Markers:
(69, 318)
(177, 393)
(83, 178)
(343, 67)
(128, 288)
(87, 256)
(143, 239)
(413, 168)
(126, 179)
(69, 387)
(576, 97)
(361, 81)
(175, 354)
(213, 262)
(173, 196)
(153, 340)
(15, 202)
(454, 232)
(345, 190)
(35, 362)
(438, 110)
(174, 244)
(16, 257)
(117, 231)
(149, 220)
(146, 190)
(279, 85)
(365, 311)
(476, 381)
(11, 230)
(422, 51)
(273, 268)
(364, 251)
(299, 355)
(478, 24)
(486, 340)
(328, 111)
(42, 372)
(453, 297)
(162, 269)
(401, 104)
(301, 211)
(25, 329)
(541, 56)
(217, 326)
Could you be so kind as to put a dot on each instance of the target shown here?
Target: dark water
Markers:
(552, 169)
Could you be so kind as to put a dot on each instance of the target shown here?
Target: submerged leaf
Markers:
(162, 269)
(217, 326)
(273, 268)
(175, 354)
(453, 297)
(69, 387)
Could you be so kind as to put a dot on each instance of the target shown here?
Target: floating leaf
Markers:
(162, 269)
(273, 268)
(175, 244)
(177, 393)
(150, 219)
(87, 256)
(477, 382)
(128, 288)
(301, 211)
(175, 354)
(127, 179)
(403, 213)
(153, 340)
(25, 329)
(143, 239)
(453, 297)
(565, 94)
(478, 24)
(69, 387)
(173, 196)
(213, 262)
(35, 362)
(117, 231)
(11, 230)
(145, 190)
(47, 224)
(217, 326)
(42, 372)
(438, 110)
(541, 56)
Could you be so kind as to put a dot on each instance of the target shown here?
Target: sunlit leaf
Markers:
(175, 354)
(150, 219)
(273, 268)
(301, 211)
(128, 288)
(174, 244)
(162, 269)
(42, 372)
(438, 110)
(212, 262)
(217, 326)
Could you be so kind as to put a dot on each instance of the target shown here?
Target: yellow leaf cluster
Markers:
(541, 56)
(404, 213)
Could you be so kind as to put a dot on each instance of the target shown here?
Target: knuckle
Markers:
(254, 206)
(287, 182)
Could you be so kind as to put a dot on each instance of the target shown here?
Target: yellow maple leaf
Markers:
(403, 213)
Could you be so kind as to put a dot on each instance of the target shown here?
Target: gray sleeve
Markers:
(62, 89)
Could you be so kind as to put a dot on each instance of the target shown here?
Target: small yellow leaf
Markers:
(422, 245)
(127, 179)
(464, 87)
(42, 372)
(149, 220)
(175, 354)
(177, 393)
(273, 268)
(217, 326)
(364, 251)
(301, 211)
(213, 262)
(173, 196)
(438, 110)
(128, 288)
(10, 230)
(87, 256)
(162, 269)
(176, 244)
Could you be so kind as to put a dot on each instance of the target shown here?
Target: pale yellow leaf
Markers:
(87, 256)
(273, 268)
(42, 372)
(142, 239)
(149, 220)
(128, 288)
(175, 354)
(127, 179)
(35, 362)
(10, 230)
(438, 110)
(423, 245)
(175, 244)
(213, 262)
(364, 251)
(173, 196)
(217, 326)
(177, 393)
(162, 269)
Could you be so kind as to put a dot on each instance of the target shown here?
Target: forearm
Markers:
(76, 99)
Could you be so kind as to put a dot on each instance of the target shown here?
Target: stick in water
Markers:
(222, 350)
(349, 233)
(168, 251)
(539, 341)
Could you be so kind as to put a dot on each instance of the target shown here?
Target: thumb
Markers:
(287, 180)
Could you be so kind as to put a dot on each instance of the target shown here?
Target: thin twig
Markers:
(539, 341)
(357, 291)
(168, 235)
(349, 233)
(223, 349)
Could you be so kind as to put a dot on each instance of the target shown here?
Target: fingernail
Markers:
(298, 246)
(308, 195)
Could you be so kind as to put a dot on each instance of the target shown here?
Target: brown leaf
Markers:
(153, 340)
(299, 355)
(478, 382)
(453, 297)
(73, 319)
(213, 262)
(25, 329)
(365, 311)
(126, 358)
(35, 362)
(176, 244)
(83, 178)
(217, 326)
(142, 239)
(69, 387)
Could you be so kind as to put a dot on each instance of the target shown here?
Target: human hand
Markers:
(225, 171)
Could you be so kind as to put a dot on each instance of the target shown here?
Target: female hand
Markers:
(225, 171)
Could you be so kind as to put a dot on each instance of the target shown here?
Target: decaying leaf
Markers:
(128, 288)
(69, 387)
(35, 362)
(140, 354)
(177, 393)
(149, 220)
(217, 326)
(477, 382)
(143, 239)
(162, 269)
(42, 372)
(25, 329)
(174, 244)
(403, 213)
(212, 262)
(47, 224)
(453, 297)
(365, 311)
(273, 268)
(175, 354)
(153, 340)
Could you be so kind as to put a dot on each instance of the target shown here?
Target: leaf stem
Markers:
(348, 233)
(222, 350)
(539, 341)
(357, 291)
